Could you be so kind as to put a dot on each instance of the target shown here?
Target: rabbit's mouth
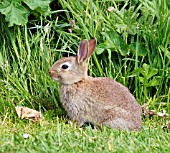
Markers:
(56, 79)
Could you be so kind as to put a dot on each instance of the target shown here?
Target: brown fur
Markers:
(97, 100)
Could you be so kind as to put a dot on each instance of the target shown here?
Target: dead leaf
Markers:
(146, 111)
(27, 113)
(72, 23)
(70, 30)
(167, 126)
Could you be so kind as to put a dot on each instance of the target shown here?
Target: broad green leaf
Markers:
(17, 13)
(102, 47)
(141, 79)
(147, 71)
(41, 6)
(117, 42)
(141, 49)
(154, 82)
(38, 3)
(14, 12)
(99, 50)
(150, 71)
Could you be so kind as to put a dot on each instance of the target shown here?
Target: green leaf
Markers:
(99, 50)
(141, 79)
(165, 50)
(147, 71)
(117, 42)
(168, 55)
(102, 47)
(42, 6)
(154, 82)
(15, 13)
(141, 49)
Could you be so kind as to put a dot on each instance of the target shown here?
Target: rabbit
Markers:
(100, 101)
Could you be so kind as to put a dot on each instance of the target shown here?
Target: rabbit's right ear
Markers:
(92, 46)
(83, 51)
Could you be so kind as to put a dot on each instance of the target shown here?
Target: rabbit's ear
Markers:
(92, 46)
(83, 51)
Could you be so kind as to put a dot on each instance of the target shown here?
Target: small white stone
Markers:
(25, 136)
(110, 9)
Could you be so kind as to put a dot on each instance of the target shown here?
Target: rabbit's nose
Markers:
(51, 71)
(54, 74)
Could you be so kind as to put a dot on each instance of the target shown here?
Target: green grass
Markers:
(133, 48)
(54, 135)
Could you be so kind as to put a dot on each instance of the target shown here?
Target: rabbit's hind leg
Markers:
(119, 123)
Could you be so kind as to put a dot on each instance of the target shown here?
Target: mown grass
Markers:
(58, 136)
(133, 48)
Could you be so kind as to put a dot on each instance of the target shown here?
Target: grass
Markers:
(133, 48)
(55, 135)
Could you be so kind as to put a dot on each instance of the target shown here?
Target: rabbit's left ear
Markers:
(82, 51)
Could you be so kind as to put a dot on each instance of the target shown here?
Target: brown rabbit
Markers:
(95, 100)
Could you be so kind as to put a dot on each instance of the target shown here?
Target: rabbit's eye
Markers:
(64, 66)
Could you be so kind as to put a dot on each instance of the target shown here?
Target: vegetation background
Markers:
(133, 48)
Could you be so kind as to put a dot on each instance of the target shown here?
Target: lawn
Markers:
(55, 135)
(133, 47)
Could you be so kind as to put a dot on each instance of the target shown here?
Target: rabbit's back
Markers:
(101, 100)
